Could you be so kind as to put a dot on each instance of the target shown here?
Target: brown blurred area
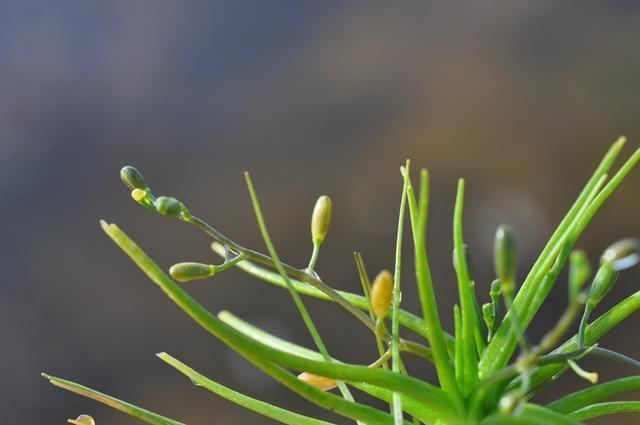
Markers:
(520, 98)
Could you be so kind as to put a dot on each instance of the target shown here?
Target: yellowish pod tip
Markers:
(321, 219)
(320, 382)
(382, 293)
(138, 195)
(82, 420)
(185, 272)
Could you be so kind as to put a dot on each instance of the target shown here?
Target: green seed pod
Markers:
(168, 206)
(185, 272)
(504, 250)
(321, 219)
(382, 293)
(82, 420)
(602, 283)
(320, 382)
(623, 254)
(132, 178)
(494, 292)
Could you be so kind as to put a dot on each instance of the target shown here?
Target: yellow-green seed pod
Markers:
(185, 272)
(132, 178)
(320, 382)
(488, 315)
(382, 293)
(82, 420)
(504, 250)
(623, 254)
(168, 206)
(138, 195)
(321, 219)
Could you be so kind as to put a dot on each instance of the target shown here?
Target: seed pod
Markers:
(382, 293)
(82, 420)
(138, 195)
(168, 206)
(185, 272)
(132, 178)
(623, 254)
(494, 292)
(320, 382)
(321, 219)
(504, 250)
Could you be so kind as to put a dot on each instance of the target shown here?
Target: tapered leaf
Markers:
(595, 394)
(605, 409)
(258, 406)
(123, 406)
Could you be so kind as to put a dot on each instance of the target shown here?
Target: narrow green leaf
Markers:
(258, 406)
(468, 302)
(605, 409)
(435, 333)
(530, 414)
(261, 354)
(595, 394)
(123, 406)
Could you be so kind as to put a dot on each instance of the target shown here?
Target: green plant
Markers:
(477, 382)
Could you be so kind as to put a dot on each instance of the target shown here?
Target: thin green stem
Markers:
(395, 303)
(314, 258)
(435, 333)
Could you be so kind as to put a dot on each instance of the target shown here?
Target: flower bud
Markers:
(494, 292)
(623, 254)
(602, 283)
(168, 206)
(185, 272)
(132, 178)
(321, 219)
(504, 250)
(382, 293)
(488, 315)
(138, 195)
(320, 382)
(82, 420)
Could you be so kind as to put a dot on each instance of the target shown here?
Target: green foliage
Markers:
(482, 380)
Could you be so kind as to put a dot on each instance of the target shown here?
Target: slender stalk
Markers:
(395, 303)
(314, 258)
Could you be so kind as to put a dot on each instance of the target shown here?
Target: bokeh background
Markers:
(521, 98)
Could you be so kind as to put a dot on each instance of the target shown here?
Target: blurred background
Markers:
(520, 98)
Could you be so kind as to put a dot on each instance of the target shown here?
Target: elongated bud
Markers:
(602, 283)
(185, 272)
(82, 420)
(504, 250)
(623, 254)
(320, 382)
(132, 178)
(494, 292)
(382, 293)
(321, 219)
(168, 206)
(488, 315)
